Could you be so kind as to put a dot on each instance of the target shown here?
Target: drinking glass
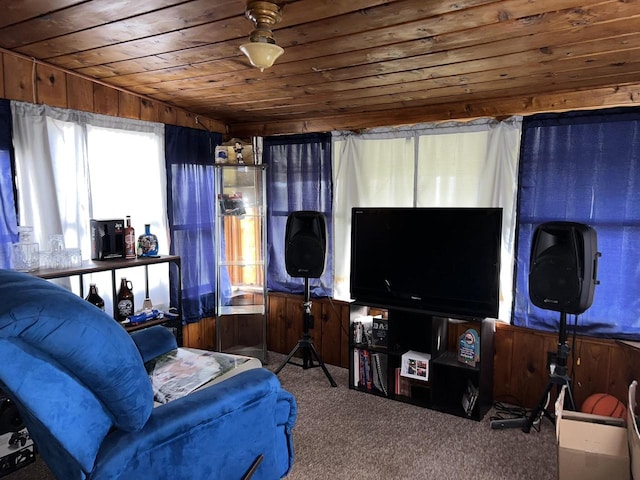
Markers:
(57, 253)
(25, 234)
(75, 257)
(56, 243)
(25, 257)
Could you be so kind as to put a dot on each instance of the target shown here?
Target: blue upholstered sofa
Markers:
(80, 385)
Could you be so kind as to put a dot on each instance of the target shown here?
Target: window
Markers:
(298, 178)
(471, 164)
(584, 167)
(74, 166)
(191, 193)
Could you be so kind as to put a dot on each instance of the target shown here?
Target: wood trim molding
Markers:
(35, 81)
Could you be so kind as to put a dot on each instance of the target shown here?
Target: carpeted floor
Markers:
(345, 434)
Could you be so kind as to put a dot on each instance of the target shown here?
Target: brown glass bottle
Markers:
(125, 305)
(94, 297)
(129, 240)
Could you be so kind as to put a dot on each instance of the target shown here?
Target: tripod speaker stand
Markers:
(562, 277)
(558, 377)
(305, 344)
(305, 256)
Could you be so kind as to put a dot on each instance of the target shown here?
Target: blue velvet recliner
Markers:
(80, 385)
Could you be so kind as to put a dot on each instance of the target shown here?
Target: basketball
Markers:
(604, 404)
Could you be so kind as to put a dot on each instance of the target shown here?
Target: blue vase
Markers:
(147, 243)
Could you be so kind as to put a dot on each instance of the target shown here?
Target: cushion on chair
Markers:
(154, 341)
(86, 341)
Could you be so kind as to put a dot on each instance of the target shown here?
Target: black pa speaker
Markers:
(305, 244)
(563, 267)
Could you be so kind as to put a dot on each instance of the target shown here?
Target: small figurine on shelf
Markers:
(238, 149)
(147, 243)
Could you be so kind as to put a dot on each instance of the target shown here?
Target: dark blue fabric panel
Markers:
(6, 141)
(190, 192)
(8, 216)
(585, 168)
(298, 178)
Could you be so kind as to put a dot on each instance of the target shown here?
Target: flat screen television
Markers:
(445, 261)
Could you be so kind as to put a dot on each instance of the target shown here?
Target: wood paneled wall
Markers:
(26, 80)
(520, 362)
(595, 365)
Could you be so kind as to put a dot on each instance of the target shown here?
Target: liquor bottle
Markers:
(125, 300)
(94, 297)
(147, 243)
(105, 238)
(129, 240)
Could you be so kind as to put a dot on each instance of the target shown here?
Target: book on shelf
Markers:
(379, 372)
(469, 398)
(356, 367)
(368, 378)
(379, 329)
(402, 384)
(363, 379)
(362, 329)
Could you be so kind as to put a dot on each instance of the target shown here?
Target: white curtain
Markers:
(50, 155)
(73, 166)
(470, 164)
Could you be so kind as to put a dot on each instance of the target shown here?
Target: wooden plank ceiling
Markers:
(348, 64)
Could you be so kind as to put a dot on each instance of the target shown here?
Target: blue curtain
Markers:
(585, 167)
(191, 210)
(8, 215)
(298, 178)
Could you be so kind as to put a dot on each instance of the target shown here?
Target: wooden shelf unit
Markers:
(428, 334)
(113, 266)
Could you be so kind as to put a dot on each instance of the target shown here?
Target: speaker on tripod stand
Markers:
(305, 256)
(562, 277)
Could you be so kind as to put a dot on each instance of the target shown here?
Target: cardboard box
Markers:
(590, 447)
(107, 239)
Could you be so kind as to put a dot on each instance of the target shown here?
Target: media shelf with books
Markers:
(429, 361)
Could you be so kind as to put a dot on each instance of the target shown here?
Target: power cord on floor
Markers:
(505, 411)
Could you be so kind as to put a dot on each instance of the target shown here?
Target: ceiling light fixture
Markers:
(262, 49)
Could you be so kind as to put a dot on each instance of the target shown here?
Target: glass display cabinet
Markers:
(241, 322)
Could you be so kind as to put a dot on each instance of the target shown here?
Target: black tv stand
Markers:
(422, 332)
